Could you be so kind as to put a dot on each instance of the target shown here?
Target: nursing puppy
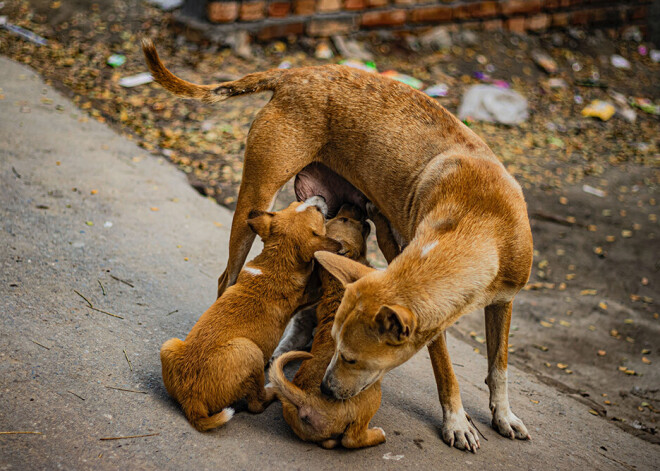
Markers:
(313, 416)
(222, 359)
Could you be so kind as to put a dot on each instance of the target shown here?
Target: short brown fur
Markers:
(313, 416)
(433, 180)
(222, 359)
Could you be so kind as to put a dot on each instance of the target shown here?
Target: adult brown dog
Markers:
(444, 193)
(222, 359)
(313, 416)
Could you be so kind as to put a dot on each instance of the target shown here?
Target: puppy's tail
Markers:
(286, 388)
(203, 424)
(253, 83)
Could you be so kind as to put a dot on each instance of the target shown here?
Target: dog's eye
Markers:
(346, 360)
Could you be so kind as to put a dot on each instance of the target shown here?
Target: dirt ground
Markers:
(589, 321)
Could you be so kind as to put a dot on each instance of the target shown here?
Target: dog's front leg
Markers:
(498, 319)
(456, 429)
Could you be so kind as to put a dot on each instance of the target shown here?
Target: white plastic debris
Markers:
(135, 80)
(494, 104)
(655, 55)
(166, 5)
(593, 191)
(620, 62)
(390, 456)
(351, 49)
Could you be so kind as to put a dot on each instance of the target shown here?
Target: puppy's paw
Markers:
(457, 432)
(506, 423)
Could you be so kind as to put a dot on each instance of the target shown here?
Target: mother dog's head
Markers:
(372, 336)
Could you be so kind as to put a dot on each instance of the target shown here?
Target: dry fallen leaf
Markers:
(602, 353)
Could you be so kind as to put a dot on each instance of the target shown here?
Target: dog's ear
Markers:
(259, 222)
(344, 269)
(395, 322)
(330, 245)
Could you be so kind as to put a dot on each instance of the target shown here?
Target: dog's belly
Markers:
(318, 180)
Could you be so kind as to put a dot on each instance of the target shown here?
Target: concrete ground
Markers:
(83, 209)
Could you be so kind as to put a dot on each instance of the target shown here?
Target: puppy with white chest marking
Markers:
(222, 359)
(313, 416)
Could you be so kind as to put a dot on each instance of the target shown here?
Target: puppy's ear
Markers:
(397, 323)
(259, 222)
(344, 269)
(330, 245)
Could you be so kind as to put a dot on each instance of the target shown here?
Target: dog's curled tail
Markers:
(286, 388)
(207, 423)
(252, 83)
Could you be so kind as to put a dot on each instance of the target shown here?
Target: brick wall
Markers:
(268, 19)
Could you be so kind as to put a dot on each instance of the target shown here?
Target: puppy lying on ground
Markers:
(312, 416)
(222, 359)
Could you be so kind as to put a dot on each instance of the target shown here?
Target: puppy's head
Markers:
(297, 231)
(372, 336)
(350, 228)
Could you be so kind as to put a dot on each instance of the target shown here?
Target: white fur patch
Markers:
(302, 207)
(428, 247)
(317, 201)
(229, 412)
(253, 271)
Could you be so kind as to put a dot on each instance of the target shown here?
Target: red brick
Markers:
(326, 27)
(639, 13)
(493, 25)
(516, 25)
(538, 22)
(384, 18)
(580, 17)
(304, 7)
(487, 9)
(328, 5)
(476, 10)
(376, 3)
(555, 4)
(600, 16)
(281, 30)
(576, 2)
(355, 4)
(559, 20)
(279, 9)
(252, 11)
(513, 7)
(434, 14)
(222, 12)
(405, 2)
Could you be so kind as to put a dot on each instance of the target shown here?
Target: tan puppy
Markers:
(222, 359)
(313, 416)
(445, 195)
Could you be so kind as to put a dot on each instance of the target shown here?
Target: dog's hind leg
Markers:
(456, 429)
(498, 319)
(276, 150)
(360, 436)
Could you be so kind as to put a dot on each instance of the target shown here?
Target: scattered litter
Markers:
(591, 82)
(116, 60)
(620, 62)
(437, 38)
(136, 80)
(622, 107)
(107, 224)
(642, 50)
(599, 109)
(239, 41)
(390, 456)
(285, 65)
(323, 51)
(368, 66)
(403, 78)
(645, 105)
(22, 32)
(351, 49)
(440, 89)
(166, 5)
(593, 191)
(488, 79)
(544, 61)
(655, 55)
(494, 104)
(556, 82)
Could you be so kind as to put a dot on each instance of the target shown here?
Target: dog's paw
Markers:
(506, 423)
(457, 432)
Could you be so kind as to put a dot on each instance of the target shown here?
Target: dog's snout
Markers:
(325, 389)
